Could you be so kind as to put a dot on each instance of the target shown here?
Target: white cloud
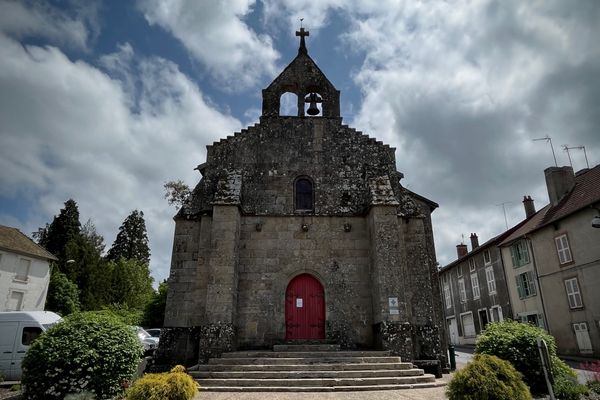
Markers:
(71, 130)
(465, 86)
(215, 33)
(37, 18)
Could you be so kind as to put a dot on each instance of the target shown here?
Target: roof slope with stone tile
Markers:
(12, 239)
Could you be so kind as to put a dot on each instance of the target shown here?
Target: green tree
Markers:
(154, 312)
(176, 192)
(63, 295)
(64, 228)
(88, 230)
(131, 284)
(132, 240)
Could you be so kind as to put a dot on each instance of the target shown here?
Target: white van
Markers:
(18, 329)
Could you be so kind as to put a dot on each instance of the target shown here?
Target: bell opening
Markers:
(313, 105)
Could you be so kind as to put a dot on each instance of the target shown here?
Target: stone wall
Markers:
(271, 256)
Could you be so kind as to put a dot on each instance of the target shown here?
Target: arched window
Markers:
(288, 104)
(303, 193)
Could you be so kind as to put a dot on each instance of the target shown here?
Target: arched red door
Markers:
(304, 309)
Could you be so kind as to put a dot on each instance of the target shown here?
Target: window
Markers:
(30, 333)
(471, 265)
(468, 324)
(304, 194)
(532, 318)
(519, 254)
(573, 294)
(486, 257)
(15, 301)
(496, 314)
(491, 280)
(475, 285)
(447, 296)
(462, 293)
(525, 285)
(22, 271)
(563, 249)
(459, 271)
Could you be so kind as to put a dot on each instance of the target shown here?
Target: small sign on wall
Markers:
(299, 303)
(393, 305)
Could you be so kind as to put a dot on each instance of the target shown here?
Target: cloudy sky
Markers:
(103, 102)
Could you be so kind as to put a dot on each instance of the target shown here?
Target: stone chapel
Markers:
(300, 231)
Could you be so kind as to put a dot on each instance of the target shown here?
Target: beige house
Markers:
(553, 262)
(24, 272)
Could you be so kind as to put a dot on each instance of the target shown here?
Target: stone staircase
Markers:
(309, 368)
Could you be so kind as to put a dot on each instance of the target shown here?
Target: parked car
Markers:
(18, 330)
(154, 332)
(150, 343)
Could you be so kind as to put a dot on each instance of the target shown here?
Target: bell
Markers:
(313, 99)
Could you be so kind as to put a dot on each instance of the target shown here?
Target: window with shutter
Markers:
(573, 293)
(563, 249)
(475, 286)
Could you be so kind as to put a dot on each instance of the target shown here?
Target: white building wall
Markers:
(17, 290)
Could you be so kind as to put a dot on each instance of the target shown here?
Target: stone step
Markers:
(314, 374)
(304, 367)
(348, 388)
(306, 347)
(303, 354)
(316, 382)
(302, 360)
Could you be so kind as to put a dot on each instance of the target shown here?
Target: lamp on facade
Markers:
(596, 219)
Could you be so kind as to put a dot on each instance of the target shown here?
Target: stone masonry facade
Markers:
(240, 239)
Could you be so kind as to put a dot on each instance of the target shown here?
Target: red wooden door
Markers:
(304, 309)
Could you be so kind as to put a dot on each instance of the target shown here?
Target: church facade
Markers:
(300, 231)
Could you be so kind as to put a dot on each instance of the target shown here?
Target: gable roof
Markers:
(12, 239)
(496, 240)
(584, 194)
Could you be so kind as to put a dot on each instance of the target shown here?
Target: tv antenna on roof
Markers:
(567, 148)
(549, 139)
(504, 211)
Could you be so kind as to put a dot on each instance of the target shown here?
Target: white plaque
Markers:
(393, 305)
(299, 303)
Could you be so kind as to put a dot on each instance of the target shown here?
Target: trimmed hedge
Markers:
(173, 385)
(88, 352)
(487, 378)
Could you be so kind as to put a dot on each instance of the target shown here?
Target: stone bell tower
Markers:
(299, 229)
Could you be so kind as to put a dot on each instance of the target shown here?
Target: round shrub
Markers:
(516, 342)
(85, 352)
(173, 385)
(487, 378)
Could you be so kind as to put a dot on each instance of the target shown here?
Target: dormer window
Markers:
(303, 194)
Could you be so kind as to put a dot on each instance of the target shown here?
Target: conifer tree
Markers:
(132, 240)
(64, 228)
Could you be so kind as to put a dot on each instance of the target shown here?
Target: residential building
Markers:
(24, 272)
(474, 290)
(556, 262)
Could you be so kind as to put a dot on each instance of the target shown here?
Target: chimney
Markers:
(474, 241)
(559, 181)
(461, 250)
(529, 206)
